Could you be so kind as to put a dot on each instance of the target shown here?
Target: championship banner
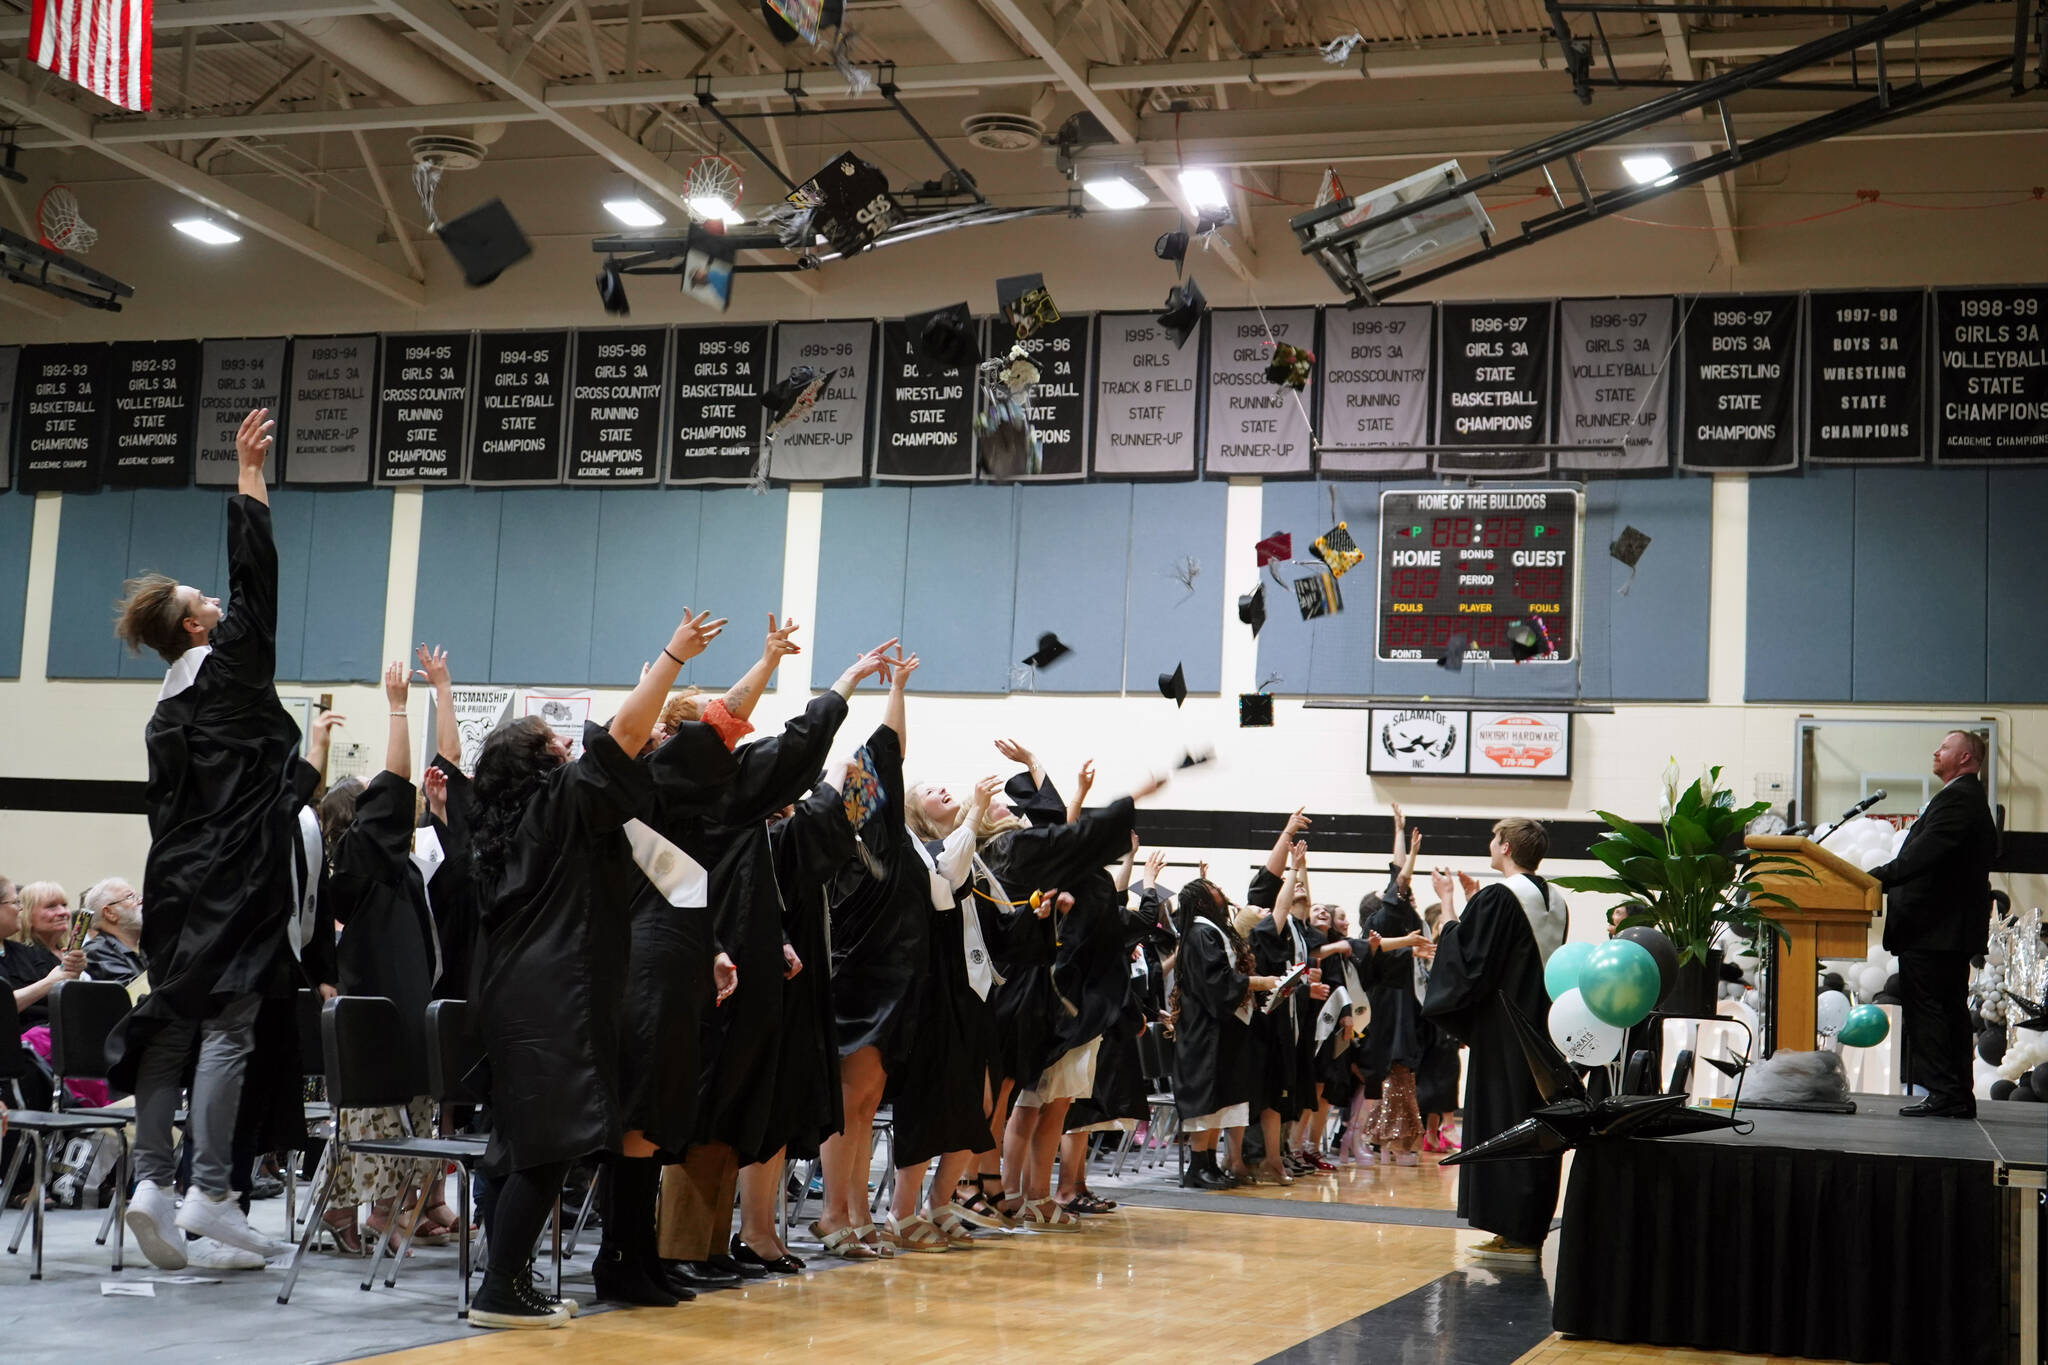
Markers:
(615, 405)
(1990, 376)
(1866, 379)
(522, 379)
(423, 389)
(1740, 358)
(10, 366)
(61, 397)
(1614, 364)
(926, 432)
(1373, 372)
(149, 433)
(1058, 411)
(830, 444)
(715, 424)
(1255, 425)
(235, 376)
(1147, 390)
(331, 421)
(1493, 387)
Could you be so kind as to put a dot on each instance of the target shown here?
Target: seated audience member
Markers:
(114, 951)
(31, 968)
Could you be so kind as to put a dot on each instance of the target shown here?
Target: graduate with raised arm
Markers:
(1491, 954)
(218, 880)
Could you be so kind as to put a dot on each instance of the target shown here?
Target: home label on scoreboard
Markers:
(1462, 564)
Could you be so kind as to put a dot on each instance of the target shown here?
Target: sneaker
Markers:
(206, 1254)
(1407, 1159)
(220, 1219)
(1500, 1251)
(513, 1304)
(152, 1215)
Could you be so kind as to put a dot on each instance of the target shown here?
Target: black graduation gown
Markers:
(1022, 947)
(1399, 1033)
(881, 926)
(557, 938)
(810, 849)
(218, 876)
(937, 1093)
(669, 985)
(742, 1037)
(457, 921)
(375, 893)
(1276, 1034)
(1490, 953)
(1211, 1047)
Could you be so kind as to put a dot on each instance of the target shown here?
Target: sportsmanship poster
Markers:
(423, 389)
(1740, 356)
(926, 432)
(516, 434)
(715, 415)
(830, 444)
(1058, 411)
(154, 385)
(1147, 417)
(1866, 377)
(615, 405)
(235, 376)
(1373, 375)
(1990, 376)
(1493, 387)
(330, 421)
(1256, 426)
(478, 711)
(1614, 363)
(61, 398)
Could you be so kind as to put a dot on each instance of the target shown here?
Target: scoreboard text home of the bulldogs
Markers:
(1463, 564)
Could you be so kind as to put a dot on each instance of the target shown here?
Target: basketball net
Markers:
(60, 224)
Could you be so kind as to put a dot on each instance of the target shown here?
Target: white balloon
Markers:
(1870, 979)
(1579, 1034)
(1830, 1012)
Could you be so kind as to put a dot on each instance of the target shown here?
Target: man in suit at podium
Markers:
(1938, 916)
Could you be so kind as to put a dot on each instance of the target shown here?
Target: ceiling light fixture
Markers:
(717, 207)
(633, 212)
(1204, 188)
(207, 231)
(1647, 168)
(1115, 192)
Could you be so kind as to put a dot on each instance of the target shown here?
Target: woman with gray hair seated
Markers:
(114, 951)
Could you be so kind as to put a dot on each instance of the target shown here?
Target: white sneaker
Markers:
(152, 1215)
(221, 1219)
(207, 1254)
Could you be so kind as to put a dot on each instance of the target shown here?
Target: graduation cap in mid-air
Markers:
(2037, 1011)
(1195, 758)
(1337, 549)
(1050, 649)
(485, 242)
(1173, 246)
(1455, 650)
(1527, 639)
(1254, 710)
(1317, 595)
(1628, 547)
(1183, 310)
(944, 339)
(1174, 686)
(1277, 547)
(791, 398)
(1025, 303)
(1251, 609)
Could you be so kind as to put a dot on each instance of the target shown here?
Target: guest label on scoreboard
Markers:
(1467, 564)
(236, 375)
(423, 407)
(615, 405)
(1373, 373)
(329, 424)
(927, 424)
(1255, 425)
(62, 399)
(1493, 387)
(830, 445)
(1866, 389)
(715, 428)
(1147, 419)
(149, 432)
(1058, 411)
(1991, 376)
(1741, 358)
(1614, 383)
(516, 435)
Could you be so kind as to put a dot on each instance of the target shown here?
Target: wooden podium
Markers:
(1833, 920)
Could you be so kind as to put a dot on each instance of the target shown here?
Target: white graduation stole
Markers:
(980, 972)
(679, 878)
(1333, 1010)
(427, 855)
(1547, 916)
(1243, 1011)
(298, 930)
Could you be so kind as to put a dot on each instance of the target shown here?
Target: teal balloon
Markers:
(1561, 973)
(1866, 1026)
(1620, 982)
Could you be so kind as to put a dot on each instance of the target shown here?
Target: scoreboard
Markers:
(1464, 563)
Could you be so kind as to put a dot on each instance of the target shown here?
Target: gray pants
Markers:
(225, 1041)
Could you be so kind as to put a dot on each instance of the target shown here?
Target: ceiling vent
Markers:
(996, 130)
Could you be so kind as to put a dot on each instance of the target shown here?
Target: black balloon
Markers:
(1833, 982)
(1895, 985)
(1991, 1045)
(2024, 1093)
(2002, 1090)
(1653, 941)
(2038, 1079)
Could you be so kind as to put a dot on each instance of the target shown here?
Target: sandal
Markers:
(844, 1243)
(1042, 1215)
(874, 1241)
(958, 1232)
(347, 1237)
(978, 1209)
(1085, 1202)
(1275, 1173)
(916, 1234)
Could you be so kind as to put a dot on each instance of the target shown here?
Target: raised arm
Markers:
(398, 736)
(1123, 873)
(742, 696)
(1017, 753)
(318, 741)
(892, 714)
(252, 447)
(447, 734)
(636, 716)
(1283, 903)
(1299, 860)
(1083, 784)
(871, 664)
(1283, 847)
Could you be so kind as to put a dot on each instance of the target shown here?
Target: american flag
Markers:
(103, 45)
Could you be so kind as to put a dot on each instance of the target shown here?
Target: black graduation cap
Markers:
(944, 339)
(1173, 246)
(789, 399)
(1174, 686)
(1050, 649)
(1195, 758)
(1254, 710)
(1251, 609)
(1628, 547)
(2036, 1009)
(486, 241)
(1317, 595)
(1182, 312)
(1455, 650)
(851, 202)
(1025, 303)
(1525, 641)
(611, 289)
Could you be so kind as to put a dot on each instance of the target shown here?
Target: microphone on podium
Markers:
(1850, 814)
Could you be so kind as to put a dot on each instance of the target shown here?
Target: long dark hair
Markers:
(1203, 900)
(337, 811)
(513, 765)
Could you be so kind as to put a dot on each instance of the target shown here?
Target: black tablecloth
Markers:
(1781, 1251)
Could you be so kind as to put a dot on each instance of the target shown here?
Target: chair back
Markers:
(82, 1014)
(1149, 1056)
(363, 1042)
(454, 1047)
(312, 1059)
(14, 1058)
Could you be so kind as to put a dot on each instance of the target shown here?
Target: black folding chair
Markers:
(453, 1050)
(319, 1113)
(370, 1066)
(82, 1016)
(36, 1128)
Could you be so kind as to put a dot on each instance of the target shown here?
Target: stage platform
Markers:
(1858, 1237)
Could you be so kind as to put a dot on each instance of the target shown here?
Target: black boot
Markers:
(507, 1301)
(1210, 1176)
(626, 1254)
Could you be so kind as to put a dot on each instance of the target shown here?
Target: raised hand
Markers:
(1085, 782)
(433, 664)
(253, 438)
(985, 792)
(327, 721)
(900, 670)
(1471, 887)
(779, 646)
(1155, 866)
(693, 634)
(434, 783)
(397, 684)
(1297, 822)
(1298, 855)
(1152, 783)
(1017, 753)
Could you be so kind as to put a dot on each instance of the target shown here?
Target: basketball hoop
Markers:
(712, 189)
(59, 223)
